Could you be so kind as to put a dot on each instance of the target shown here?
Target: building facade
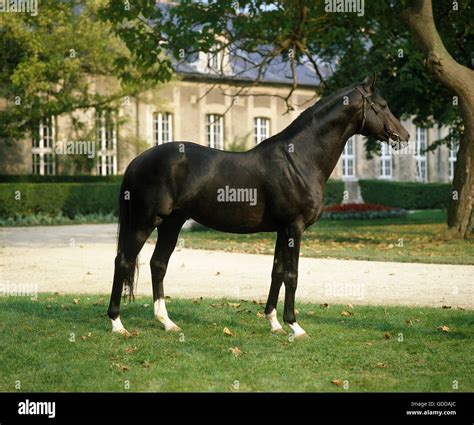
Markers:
(231, 116)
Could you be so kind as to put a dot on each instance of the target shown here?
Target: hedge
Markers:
(22, 199)
(407, 195)
(28, 178)
(334, 192)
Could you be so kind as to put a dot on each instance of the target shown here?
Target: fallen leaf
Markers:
(121, 367)
(260, 314)
(387, 335)
(48, 306)
(460, 308)
(233, 305)
(146, 364)
(325, 305)
(88, 335)
(76, 300)
(258, 302)
(146, 305)
(132, 334)
(129, 350)
(311, 313)
(346, 313)
(446, 306)
(228, 332)
(236, 351)
(337, 382)
(409, 322)
(381, 365)
(350, 306)
(443, 328)
(369, 344)
(297, 311)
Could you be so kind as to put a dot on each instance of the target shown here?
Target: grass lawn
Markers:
(56, 345)
(416, 238)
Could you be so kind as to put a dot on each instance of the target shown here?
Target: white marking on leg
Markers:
(298, 331)
(118, 327)
(275, 326)
(161, 315)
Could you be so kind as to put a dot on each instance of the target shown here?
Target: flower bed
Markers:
(361, 212)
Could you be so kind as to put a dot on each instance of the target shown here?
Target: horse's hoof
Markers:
(122, 331)
(304, 335)
(279, 331)
(173, 328)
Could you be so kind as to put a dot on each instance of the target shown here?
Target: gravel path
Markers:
(79, 259)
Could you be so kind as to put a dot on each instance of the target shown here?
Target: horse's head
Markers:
(377, 119)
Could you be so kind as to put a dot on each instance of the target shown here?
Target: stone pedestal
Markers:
(352, 194)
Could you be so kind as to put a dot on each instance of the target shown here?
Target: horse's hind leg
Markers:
(168, 233)
(125, 263)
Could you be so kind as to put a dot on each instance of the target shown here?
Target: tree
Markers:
(49, 63)
(339, 47)
(459, 80)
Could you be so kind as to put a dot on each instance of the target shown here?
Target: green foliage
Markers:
(32, 178)
(53, 199)
(42, 219)
(376, 42)
(50, 64)
(333, 192)
(407, 195)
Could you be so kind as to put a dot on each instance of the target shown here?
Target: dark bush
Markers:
(27, 178)
(22, 199)
(334, 192)
(407, 195)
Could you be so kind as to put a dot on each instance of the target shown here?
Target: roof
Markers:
(242, 69)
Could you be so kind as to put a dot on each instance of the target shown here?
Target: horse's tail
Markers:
(126, 235)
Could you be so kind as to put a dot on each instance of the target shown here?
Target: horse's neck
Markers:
(329, 134)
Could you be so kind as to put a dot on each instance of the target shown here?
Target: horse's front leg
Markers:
(277, 281)
(291, 255)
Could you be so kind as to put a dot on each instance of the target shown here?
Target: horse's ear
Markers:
(369, 83)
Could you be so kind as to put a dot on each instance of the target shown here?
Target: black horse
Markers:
(275, 187)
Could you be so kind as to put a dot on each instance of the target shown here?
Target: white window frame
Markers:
(215, 57)
(421, 160)
(349, 160)
(386, 162)
(452, 155)
(261, 129)
(162, 127)
(42, 153)
(107, 144)
(215, 131)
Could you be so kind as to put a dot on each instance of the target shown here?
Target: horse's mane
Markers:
(305, 118)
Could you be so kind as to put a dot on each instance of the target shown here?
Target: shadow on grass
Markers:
(94, 317)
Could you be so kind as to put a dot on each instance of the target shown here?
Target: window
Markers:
(106, 135)
(215, 57)
(453, 151)
(42, 151)
(162, 127)
(261, 129)
(348, 159)
(215, 131)
(420, 155)
(386, 161)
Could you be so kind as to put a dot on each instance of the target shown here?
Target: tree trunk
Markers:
(460, 80)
